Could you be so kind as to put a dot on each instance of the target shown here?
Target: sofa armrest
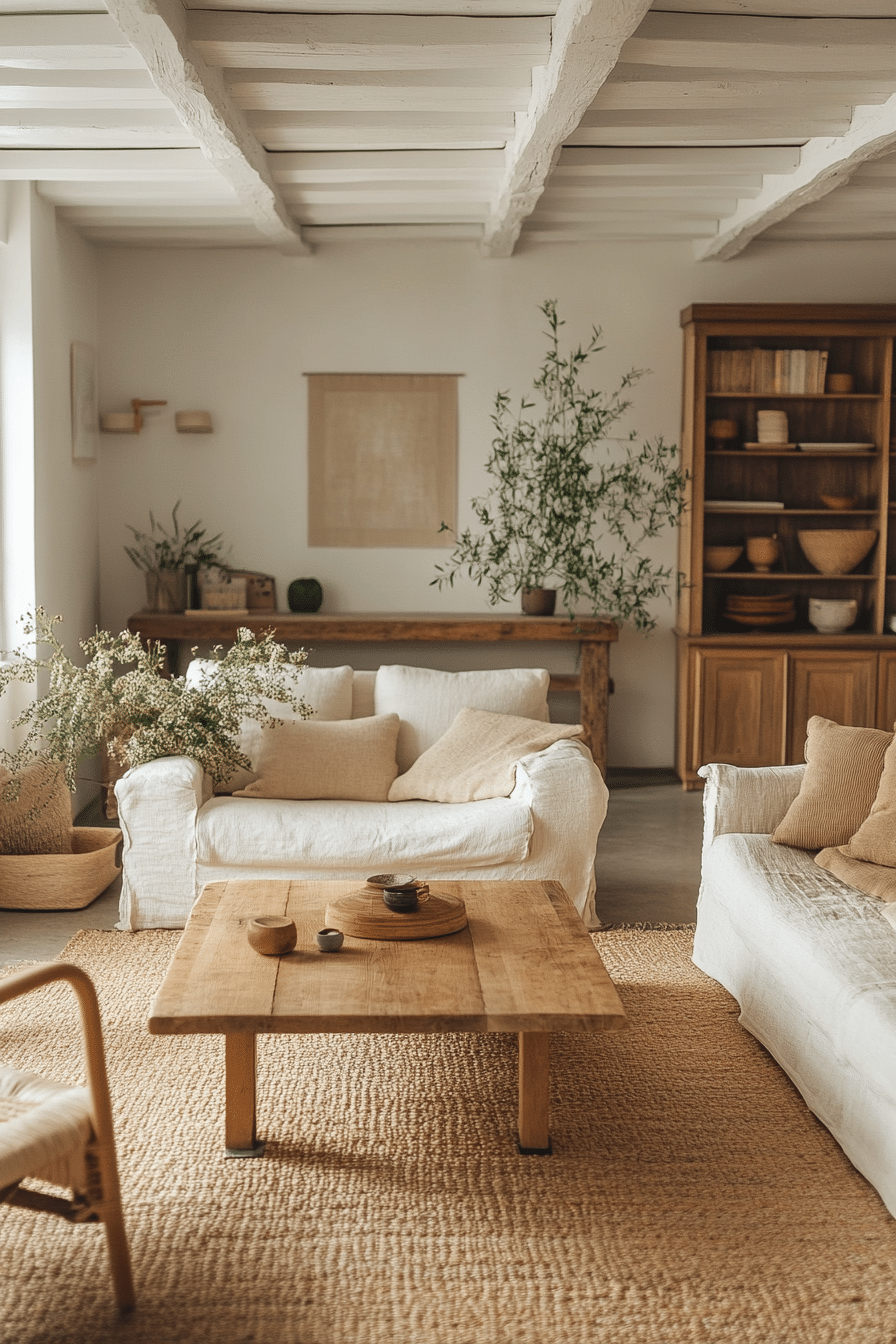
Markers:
(567, 799)
(746, 801)
(157, 808)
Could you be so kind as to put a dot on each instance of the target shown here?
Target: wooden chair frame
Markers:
(102, 1200)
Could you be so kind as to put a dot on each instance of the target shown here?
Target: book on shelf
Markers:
(766, 372)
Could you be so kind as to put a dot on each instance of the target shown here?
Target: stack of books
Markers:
(767, 372)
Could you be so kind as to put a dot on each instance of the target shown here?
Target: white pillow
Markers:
(428, 702)
(326, 690)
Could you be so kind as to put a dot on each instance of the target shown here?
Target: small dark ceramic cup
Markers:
(403, 900)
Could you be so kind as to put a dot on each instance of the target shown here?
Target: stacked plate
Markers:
(761, 610)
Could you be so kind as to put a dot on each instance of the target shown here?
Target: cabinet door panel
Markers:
(838, 686)
(740, 707)
(886, 691)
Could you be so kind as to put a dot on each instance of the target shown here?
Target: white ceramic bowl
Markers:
(831, 616)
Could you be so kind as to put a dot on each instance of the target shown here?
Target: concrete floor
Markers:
(648, 870)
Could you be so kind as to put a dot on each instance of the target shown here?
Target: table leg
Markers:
(535, 1091)
(594, 689)
(239, 1093)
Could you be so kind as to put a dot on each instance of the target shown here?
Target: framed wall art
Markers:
(382, 459)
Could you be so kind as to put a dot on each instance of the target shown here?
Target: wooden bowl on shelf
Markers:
(716, 559)
(839, 501)
(837, 550)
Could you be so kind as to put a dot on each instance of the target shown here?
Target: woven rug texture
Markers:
(691, 1198)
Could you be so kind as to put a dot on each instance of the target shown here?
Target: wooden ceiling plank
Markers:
(600, 160)
(343, 98)
(65, 42)
(588, 36)
(477, 9)
(66, 99)
(633, 189)
(376, 166)
(158, 31)
(751, 43)
(361, 42)
(721, 95)
(796, 9)
(824, 165)
(105, 165)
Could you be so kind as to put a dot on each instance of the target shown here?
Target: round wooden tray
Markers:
(362, 914)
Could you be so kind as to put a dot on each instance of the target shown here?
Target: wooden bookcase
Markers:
(745, 694)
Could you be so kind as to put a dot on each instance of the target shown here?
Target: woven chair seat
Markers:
(44, 1127)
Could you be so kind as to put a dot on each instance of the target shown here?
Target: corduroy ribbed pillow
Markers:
(843, 773)
(476, 757)
(39, 819)
(871, 878)
(353, 759)
(874, 841)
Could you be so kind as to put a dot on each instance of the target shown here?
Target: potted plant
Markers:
(570, 506)
(169, 557)
(120, 700)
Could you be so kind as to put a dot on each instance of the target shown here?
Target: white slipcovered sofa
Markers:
(179, 835)
(811, 962)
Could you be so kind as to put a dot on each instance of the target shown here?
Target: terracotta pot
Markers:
(539, 601)
(166, 589)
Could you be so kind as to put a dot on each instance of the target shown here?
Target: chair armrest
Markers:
(746, 802)
(567, 798)
(157, 809)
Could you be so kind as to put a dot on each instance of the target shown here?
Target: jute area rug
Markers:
(691, 1195)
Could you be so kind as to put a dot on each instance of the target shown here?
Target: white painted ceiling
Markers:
(514, 123)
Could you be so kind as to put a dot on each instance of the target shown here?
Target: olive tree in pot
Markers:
(170, 559)
(570, 506)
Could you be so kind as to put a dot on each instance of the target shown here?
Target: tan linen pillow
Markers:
(352, 759)
(49, 831)
(871, 878)
(874, 841)
(475, 758)
(843, 771)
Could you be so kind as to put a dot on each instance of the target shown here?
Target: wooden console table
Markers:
(594, 638)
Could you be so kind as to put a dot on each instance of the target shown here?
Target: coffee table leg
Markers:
(535, 1091)
(239, 1094)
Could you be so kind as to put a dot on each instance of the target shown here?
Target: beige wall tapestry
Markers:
(382, 459)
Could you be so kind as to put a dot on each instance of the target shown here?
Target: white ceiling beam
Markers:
(588, 36)
(653, 191)
(362, 42)
(622, 229)
(824, 165)
(724, 95)
(158, 31)
(283, 96)
(749, 43)
(796, 9)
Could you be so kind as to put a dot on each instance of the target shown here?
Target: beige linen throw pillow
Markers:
(874, 841)
(843, 772)
(475, 758)
(870, 878)
(42, 790)
(352, 759)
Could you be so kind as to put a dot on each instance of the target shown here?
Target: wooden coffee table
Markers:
(525, 963)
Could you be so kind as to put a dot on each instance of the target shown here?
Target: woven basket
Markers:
(836, 550)
(61, 881)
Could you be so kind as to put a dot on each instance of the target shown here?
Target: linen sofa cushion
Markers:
(843, 772)
(42, 790)
(268, 833)
(428, 701)
(871, 878)
(326, 690)
(476, 758)
(354, 759)
(874, 840)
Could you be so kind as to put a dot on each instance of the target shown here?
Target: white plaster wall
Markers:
(233, 332)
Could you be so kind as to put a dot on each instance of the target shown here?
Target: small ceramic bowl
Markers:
(329, 940)
(839, 501)
(831, 616)
(271, 935)
(719, 558)
(391, 880)
(401, 899)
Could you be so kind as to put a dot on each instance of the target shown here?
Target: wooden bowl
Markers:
(836, 550)
(271, 935)
(839, 501)
(719, 558)
(723, 429)
(840, 382)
